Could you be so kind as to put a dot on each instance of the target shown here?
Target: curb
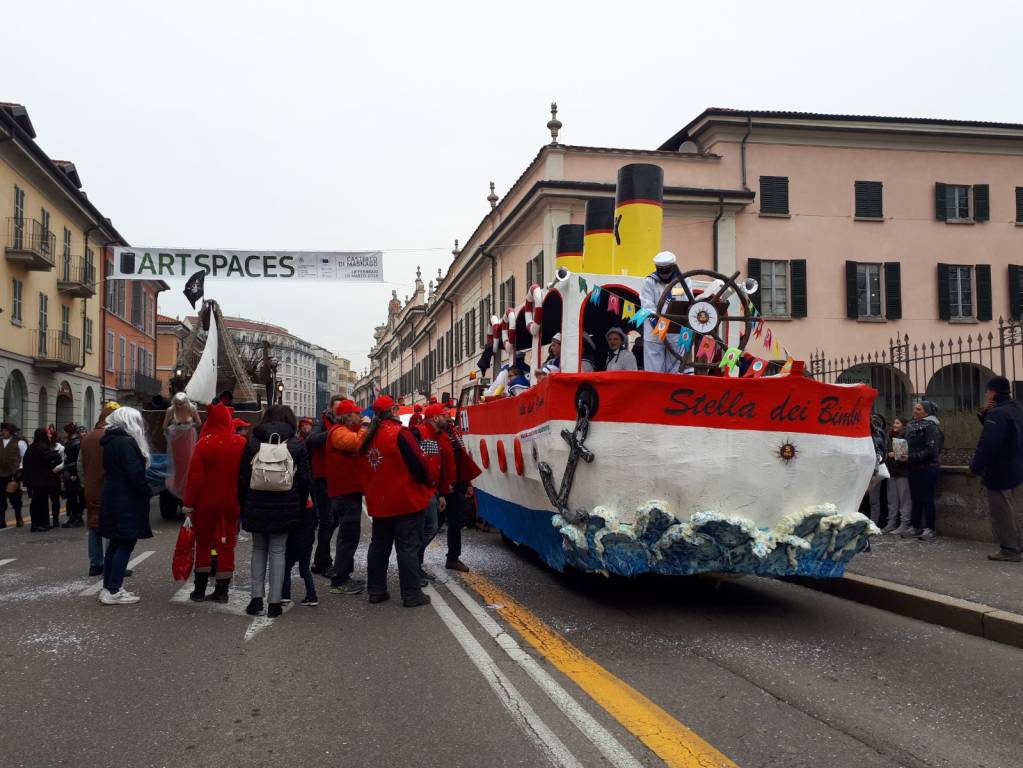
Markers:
(955, 613)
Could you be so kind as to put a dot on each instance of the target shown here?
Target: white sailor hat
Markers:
(664, 259)
(557, 337)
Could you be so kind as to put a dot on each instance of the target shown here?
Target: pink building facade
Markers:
(859, 230)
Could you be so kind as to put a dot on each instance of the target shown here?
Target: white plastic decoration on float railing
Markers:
(534, 309)
(508, 334)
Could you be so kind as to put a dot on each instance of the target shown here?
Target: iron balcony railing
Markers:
(29, 242)
(56, 349)
(140, 383)
(77, 277)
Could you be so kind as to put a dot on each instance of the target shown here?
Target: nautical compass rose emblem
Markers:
(703, 317)
(375, 458)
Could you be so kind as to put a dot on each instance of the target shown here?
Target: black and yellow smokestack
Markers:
(600, 215)
(638, 218)
(568, 251)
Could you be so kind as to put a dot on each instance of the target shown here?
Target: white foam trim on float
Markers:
(93, 589)
(522, 713)
(692, 469)
(601, 738)
(7, 560)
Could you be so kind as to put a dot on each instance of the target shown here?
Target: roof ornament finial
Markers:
(492, 197)
(554, 125)
(440, 276)
(454, 251)
(419, 273)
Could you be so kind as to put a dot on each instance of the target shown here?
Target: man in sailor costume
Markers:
(655, 356)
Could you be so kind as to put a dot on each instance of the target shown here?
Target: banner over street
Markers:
(170, 263)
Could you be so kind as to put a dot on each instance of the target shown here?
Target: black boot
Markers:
(220, 592)
(199, 593)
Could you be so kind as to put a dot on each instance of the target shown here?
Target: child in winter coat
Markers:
(299, 550)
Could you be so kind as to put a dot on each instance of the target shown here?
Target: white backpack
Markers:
(273, 469)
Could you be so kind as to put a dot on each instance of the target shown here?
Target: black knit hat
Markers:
(999, 385)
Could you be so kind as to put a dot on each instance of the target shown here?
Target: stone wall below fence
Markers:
(962, 506)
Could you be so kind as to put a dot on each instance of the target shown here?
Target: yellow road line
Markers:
(666, 737)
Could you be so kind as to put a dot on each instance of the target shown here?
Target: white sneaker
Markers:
(120, 597)
(928, 533)
(910, 533)
(899, 530)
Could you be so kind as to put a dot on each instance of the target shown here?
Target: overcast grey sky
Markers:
(343, 126)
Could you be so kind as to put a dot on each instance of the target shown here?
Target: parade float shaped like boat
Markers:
(634, 471)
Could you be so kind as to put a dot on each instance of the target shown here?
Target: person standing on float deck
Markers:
(655, 356)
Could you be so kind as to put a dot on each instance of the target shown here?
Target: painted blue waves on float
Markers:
(813, 542)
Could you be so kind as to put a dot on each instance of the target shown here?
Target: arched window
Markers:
(15, 397)
(89, 408)
(43, 407)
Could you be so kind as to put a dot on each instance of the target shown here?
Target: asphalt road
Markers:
(761, 673)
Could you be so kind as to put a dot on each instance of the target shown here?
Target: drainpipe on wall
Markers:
(451, 307)
(493, 282)
(749, 130)
(85, 318)
(721, 212)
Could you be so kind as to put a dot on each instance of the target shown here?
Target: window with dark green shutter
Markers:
(868, 200)
(1019, 205)
(893, 290)
(774, 195)
(1015, 292)
(753, 270)
(981, 202)
(797, 274)
(944, 293)
(982, 274)
(852, 310)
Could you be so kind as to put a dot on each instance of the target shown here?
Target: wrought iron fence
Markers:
(140, 383)
(951, 372)
(30, 235)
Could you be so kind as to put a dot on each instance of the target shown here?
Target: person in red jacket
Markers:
(428, 434)
(211, 500)
(417, 416)
(344, 486)
(398, 483)
(458, 472)
(316, 443)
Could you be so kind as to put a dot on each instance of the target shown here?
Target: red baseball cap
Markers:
(344, 407)
(435, 409)
(383, 404)
(417, 408)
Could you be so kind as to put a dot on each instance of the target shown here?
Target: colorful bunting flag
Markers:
(595, 296)
(640, 317)
(730, 359)
(787, 368)
(583, 286)
(756, 369)
(759, 329)
(768, 338)
(628, 310)
(777, 348)
(661, 329)
(685, 341)
(707, 349)
(613, 303)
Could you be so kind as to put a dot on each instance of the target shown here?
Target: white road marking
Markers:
(522, 713)
(93, 589)
(602, 739)
(237, 601)
(7, 560)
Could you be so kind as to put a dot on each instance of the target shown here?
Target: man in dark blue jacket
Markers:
(999, 462)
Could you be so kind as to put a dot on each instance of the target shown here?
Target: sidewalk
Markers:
(944, 581)
(952, 567)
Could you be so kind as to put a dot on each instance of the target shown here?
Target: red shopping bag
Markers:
(184, 552)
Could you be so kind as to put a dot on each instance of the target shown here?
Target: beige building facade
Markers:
(53, 244)
(859, 229)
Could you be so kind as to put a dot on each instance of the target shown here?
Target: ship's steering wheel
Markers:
(705, 314)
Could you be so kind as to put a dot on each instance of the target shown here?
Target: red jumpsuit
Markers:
(212, 490)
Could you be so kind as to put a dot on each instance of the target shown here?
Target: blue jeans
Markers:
(115, 563)
(429, 528)
(96, 543)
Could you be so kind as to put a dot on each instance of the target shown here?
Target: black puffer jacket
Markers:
(925, 440)
(273, 511)
(37, 468)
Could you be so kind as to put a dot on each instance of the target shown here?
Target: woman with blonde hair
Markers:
(124, 511)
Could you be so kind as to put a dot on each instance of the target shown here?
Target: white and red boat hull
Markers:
(690, 473)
